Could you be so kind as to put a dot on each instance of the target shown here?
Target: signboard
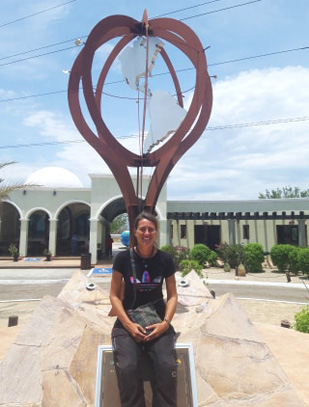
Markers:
(100, 271)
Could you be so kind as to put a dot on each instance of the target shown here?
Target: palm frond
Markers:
(6, 163)
(7, 188)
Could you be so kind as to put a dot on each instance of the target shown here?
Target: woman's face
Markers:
(145, 233)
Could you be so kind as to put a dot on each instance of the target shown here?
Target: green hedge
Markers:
(200, 253)
(212, 258)
(302, 320)
(178, 253)
(280, 256)
(254, 257)
(294, 259)
(303, 260)
(188, 265)
(232, 254)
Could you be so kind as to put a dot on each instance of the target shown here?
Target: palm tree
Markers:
(5, 187)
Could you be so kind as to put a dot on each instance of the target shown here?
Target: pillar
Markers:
(23, 237)
(93, 240)
(232, 236)
(52, 236)
(164, 232)
(301, 233)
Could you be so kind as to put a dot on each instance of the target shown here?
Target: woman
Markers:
(129, 338)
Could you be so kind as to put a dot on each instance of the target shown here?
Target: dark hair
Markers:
(146, 215)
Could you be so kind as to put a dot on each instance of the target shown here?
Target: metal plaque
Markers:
(107, 393)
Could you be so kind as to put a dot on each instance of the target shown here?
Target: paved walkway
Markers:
(40, 263)
(268, 276)
(260, 312)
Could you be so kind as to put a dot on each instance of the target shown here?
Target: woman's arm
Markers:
(171, 305)
(135, 330)
(172, 298)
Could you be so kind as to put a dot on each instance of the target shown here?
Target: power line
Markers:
(167, 72)
(224, 127)
(260, 56)
(37, 13)
(260, 123)
(185, 9)
(39, 48)
(47, 46)
(47, 143)
(36, 56)
(218, 10)
(161, 74)
(33, 96)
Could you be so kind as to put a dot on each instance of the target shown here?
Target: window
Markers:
(172, 231)
(183, 231)
(245, 231)
(287, 234)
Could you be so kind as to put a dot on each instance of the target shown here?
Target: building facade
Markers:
(66, 221)
(269, 222)
(71, 221)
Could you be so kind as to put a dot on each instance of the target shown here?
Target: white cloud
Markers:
(235, 163)
(239, 163)
(80, 158)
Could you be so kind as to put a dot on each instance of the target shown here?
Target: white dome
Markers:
(55, 177)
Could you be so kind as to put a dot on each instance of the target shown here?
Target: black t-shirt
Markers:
(150, 274)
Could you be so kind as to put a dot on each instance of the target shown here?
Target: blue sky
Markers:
(266, 97)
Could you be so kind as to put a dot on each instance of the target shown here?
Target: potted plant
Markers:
(47, 254)
(241, 270)
(14, 251)
(226, 267)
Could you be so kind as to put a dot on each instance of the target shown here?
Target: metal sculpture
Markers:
(118, 158)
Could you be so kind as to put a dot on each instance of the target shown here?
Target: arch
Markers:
(109, 210)
(38, 208)
(10, 221)
(121, 208)
(15, 205)
(38, 231)
(67, 203)
(73, 229)
(117, 201)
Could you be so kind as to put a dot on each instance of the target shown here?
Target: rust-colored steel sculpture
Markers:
(117, 157)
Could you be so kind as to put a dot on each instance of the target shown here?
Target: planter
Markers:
(15, 257)
(226, 267)
(241, 271)
(48, 257)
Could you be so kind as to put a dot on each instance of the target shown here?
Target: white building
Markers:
(47, 216)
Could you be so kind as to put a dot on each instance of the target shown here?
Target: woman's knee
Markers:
(165, 368)
(128, 366)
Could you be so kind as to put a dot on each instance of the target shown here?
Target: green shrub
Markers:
(280, 256)
(303, 260)
(188, 265)
(254, 257)
(200, 253)
(182, 253)
(212, 258)
(232, 254)
(302, 320)
(178, 253)
(293, 259)
(168, 248)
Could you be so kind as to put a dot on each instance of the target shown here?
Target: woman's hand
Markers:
(137, 332)
(156, 330)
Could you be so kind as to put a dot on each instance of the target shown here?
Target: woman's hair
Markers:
(146, 215)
